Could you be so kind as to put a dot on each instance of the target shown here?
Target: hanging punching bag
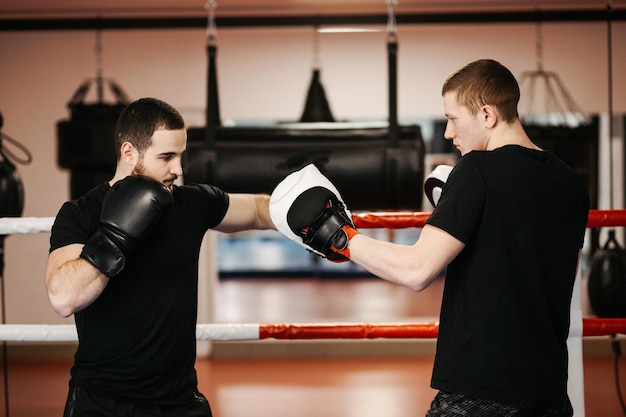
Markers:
(11, 188)
(85, 141)
(316, 107)
(607, 280)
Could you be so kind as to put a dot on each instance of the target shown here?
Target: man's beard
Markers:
(139, 169)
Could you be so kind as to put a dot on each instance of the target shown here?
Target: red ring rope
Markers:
(397, 220)
(349, 331)
(603, 326)
(591, 327)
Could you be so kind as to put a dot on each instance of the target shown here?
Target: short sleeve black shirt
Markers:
(505, 312)
(137, 339)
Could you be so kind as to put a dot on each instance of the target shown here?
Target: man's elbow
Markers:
(418, 285)
(419, 280)
(65, 313)
(61, 303)
(60, 306)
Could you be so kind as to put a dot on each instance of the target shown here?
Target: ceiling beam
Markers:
(129, 23)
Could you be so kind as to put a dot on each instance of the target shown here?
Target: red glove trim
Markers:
(350, 232)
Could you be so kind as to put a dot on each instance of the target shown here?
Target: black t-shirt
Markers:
(137, 339)
(505, 312)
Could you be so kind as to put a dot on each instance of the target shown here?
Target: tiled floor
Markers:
(329, 386)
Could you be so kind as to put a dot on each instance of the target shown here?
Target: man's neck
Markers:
(510, 134)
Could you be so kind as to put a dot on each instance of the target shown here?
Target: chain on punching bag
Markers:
(607, 280)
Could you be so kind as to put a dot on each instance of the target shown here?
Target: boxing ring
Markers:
(580, 327)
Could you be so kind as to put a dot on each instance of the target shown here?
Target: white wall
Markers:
(263, 73)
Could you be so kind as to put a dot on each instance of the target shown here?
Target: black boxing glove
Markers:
(130, 209)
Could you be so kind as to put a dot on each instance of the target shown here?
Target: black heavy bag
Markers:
(354, 157)
(607, 280)
(85, 141)
(11, 189)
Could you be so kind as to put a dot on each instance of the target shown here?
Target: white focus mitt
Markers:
(433, 186)
(307, 209)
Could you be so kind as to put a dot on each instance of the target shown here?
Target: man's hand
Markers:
(130, 209)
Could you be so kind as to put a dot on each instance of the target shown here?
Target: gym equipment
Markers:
(375, 166)
(85, 141)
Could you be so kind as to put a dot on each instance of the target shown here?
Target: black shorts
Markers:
(448, 404)
(85, 403)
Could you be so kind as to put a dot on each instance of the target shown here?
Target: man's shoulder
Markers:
(182, 191)
(93, 197)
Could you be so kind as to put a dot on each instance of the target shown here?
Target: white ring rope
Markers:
(22, 225)
(38, 332)
(67, 332)
(227, 331)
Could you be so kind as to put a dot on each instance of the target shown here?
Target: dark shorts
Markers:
(84, 403)
(447, 404)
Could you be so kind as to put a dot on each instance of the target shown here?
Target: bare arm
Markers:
(246, 212)
(71, 282)
(414, 266)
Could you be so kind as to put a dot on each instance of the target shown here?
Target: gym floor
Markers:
(286, 379)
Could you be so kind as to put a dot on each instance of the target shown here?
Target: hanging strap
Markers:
(391, 157)
(212, 109)
(392, 54)
(209, 151)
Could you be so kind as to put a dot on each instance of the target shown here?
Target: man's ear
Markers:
(129, 154)
(489, 115)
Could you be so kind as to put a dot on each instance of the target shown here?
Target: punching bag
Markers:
(11, 188)
(607, 280)
(85, 141)
(376, 167)
(316, 107)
